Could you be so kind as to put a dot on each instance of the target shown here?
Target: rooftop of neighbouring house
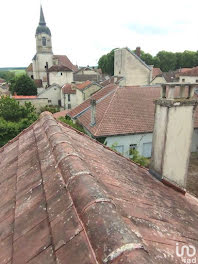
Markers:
(24, 96)
(30, 68)
(121, 110)
(67, 89)
(66, 198)
(83, 85)
(63, 60)
(2, 81)
(156, 72)
(189, 72)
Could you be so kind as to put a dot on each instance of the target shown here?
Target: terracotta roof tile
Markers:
(30, 68)
(24, 96)
(67, 89)
(190, 72)
(83, 85)
(83, 203)
(61, 113)
(156, 71)
(64, 61)
(127, 110)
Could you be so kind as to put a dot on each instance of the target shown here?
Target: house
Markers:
(47, 68)
(66, 198)
(52, 93)
(123, 117)
(85, 89)
(33, 99)
(129, 65)
(188, 76)
(87, 73)
(68, 96)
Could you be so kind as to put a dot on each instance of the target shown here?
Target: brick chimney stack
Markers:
(137, 51)
(93, 112)
(172, 136)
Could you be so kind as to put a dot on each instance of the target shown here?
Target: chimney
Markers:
(47, 68)
(93, 112)
(137, 51)
(172, 134)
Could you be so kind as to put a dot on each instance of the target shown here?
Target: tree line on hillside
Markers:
(165, 60)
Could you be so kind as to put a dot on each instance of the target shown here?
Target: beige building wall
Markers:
(53, 94)
(188, 79)
(158, 80)
(88, 72)
(68, 101)
(37, 103)
(83, 95)
(128, 65)
(61, 77)
(39, 65)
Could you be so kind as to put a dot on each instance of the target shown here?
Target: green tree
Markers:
(23, 85)
(14, 118)
(106, 63)
(168, 60)
(7, 75)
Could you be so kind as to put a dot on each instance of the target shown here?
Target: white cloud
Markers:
(85, 30)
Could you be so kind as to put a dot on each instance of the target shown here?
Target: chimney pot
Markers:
(138, 51)
(93, 112)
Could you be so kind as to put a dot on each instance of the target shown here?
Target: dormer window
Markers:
(44, 41)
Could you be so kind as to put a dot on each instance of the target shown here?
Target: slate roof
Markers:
(126, 110)
(64, 61)
(67, 89)
(66, 198)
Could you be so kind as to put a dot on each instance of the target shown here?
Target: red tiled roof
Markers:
(127, 110)
(83, 85)
(2, 81)
(98, 95)
(65, 198)
(24, 97)
(30, 68)
(61, 113)
(190, 72)
(64, 61)
(67, 89)
(57, 68)
(111, 80)
(156, 71)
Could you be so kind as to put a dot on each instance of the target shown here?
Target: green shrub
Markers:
(70, 123)
(50, 108)
(136, 157)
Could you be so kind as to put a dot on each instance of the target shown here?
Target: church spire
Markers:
(42, 18)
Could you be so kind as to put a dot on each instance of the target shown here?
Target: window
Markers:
(44, 41)
(59, 102)
(196, 81)
(119, 149)
(69, 98)
(32, 76)
(61, 73)
(49, 101)
(132, 146)
(147, 148)
(69, 106)
(183, 80)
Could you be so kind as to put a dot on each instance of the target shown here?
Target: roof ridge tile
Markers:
(76, 172)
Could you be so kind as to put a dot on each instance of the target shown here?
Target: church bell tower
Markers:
(44, 54)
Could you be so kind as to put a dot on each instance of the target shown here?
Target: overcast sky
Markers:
(86, 29)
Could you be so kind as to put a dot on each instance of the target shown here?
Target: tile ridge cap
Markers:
(90, 198)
